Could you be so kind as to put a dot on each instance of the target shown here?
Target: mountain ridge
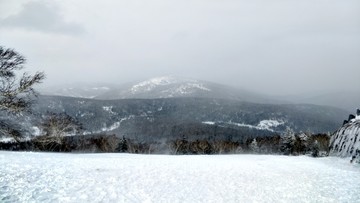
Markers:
(159, 87)
(174, 86)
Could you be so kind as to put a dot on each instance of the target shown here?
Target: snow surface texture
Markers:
(346, 140)
(48, 177)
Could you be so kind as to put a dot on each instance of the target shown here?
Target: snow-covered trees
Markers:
(304, 143)
(287, 142)
(254, 146)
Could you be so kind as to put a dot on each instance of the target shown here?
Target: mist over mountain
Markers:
(159, 87)
(80, 89)
(346, 99)
(177, 87)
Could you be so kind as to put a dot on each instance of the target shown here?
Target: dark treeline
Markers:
(290, 144)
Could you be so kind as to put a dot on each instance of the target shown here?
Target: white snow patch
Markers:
(109, 109)
(186, 86)
(100, 88)
(89, 114)
(7, 140)
(150, 84)
(269, 124)
(200, 86)
(241, 124)
(112, 127)
(49, 177)
(263, 125)
(209, 122)
(36, 131)
(189, 88)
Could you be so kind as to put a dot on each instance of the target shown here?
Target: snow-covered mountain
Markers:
(178, 87)
(154, 88)
(346, 141)
(159, 87)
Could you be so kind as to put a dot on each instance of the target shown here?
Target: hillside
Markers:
(195, 118)
(345, 141)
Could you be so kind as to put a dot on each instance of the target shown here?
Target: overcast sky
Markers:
(273, 47)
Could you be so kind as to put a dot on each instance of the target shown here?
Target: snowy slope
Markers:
(346, 140)
(47, 177)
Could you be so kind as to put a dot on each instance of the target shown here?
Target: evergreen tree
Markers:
(254, 146)
(123, 145)
(288, 142)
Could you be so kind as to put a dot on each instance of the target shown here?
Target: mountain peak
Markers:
(151, 83)
(171, 86)
(158, 87)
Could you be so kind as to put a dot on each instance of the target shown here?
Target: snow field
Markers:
(56, 177)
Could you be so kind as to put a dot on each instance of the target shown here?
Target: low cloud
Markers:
(42, 17)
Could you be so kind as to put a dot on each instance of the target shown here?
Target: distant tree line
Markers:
(291, 144)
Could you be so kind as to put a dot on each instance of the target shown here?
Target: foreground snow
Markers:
(48, 177)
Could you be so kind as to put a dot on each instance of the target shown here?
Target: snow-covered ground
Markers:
(49, 177)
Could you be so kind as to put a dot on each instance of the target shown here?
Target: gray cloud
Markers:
(273, 47)
(43, 17)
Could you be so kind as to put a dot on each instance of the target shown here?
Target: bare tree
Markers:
(55, 127)
(60, 125)
(16, 93)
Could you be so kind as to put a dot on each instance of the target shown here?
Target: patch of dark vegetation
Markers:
(291, 144)
(83, 143)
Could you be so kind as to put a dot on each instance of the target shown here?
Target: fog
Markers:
(275, 47)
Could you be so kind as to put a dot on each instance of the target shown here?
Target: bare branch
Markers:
(16, 95)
